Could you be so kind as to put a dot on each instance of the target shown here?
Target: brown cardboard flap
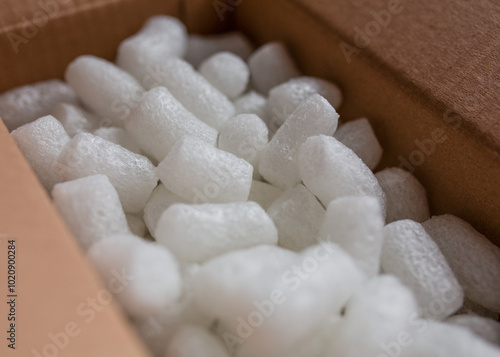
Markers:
(446, 51)
(452, 153)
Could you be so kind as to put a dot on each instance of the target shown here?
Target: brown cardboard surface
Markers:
(54, 282)
(207, 16)
(462, 171)
(446, 51)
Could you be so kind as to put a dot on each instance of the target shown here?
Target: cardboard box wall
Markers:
(431, 68)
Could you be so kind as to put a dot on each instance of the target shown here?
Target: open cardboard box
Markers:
(426, 74)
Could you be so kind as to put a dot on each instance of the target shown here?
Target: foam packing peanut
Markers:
(486, 328)
(103, 87)
(118, 136)
(194, 92)
(284, 98)
(356, 224)
(132, 175)
(263, 193)
(304, 287)
(161, 327)
(251, 103)
(24, 104)
(439, 339)
(298, 216)
(331, 170)
(159, 120)
(411, 255)
(245, 136)
(136, 224)
(159, 200)
(314, 116)
(317, 342)
(200, 47)
(405, 196)
(75, 119)
(359, 136)
(199, 173)
(376, 315)
(474, 259)
(160, 37)
(91, 208)
(270, 65)
(196, 233)
(226, 72)
(41, 143)
(195, 341)
(151, 273)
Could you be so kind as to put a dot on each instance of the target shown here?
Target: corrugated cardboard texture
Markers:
(417, 98)
(446, 51)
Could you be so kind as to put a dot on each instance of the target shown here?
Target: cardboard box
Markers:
(425, 73)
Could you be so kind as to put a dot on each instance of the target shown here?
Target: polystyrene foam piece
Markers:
(41, 143)
(200, 173)
(132, 175)
(103, 87)
(196, 233)
(411, 254)
(331, 170)
(313, 116)
(159, 120)
(24, 104)
(91, 208)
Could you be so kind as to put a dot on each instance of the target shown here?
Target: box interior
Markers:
(412, 81)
